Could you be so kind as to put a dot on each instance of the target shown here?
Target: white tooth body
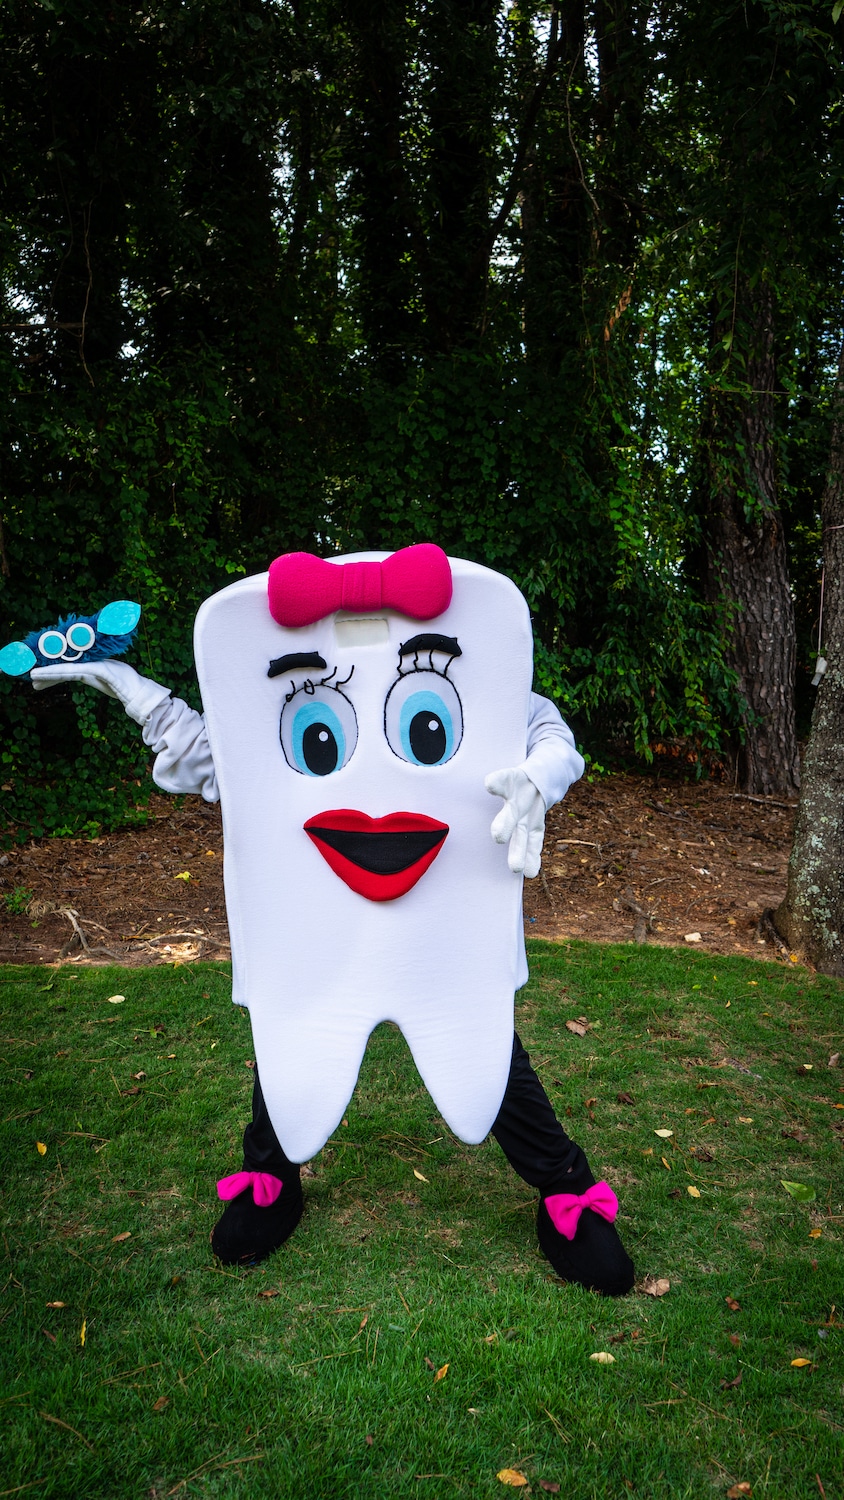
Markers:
(318, 964)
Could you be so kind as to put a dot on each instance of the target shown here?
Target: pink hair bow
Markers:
(564, 1209)
(415, 580)
(265, 1187)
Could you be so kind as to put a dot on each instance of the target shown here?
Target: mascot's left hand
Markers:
(521, 821)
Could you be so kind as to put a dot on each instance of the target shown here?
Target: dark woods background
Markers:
(555, 285)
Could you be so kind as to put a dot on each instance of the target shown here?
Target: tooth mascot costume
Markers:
(356, 710)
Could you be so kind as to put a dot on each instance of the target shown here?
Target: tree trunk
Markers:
(811, 918)
(747, 562)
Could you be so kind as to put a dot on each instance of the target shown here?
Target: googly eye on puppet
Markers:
(423, 715)
(318, 727)
(76, 638)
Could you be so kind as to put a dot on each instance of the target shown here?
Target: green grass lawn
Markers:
(320, 1374)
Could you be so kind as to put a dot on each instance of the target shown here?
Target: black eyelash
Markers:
(447, 644)
(310, 687)
(406, 671)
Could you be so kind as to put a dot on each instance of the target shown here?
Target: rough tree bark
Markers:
(747, 564)
(811, 918)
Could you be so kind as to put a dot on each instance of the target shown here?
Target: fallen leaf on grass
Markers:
(803, 1069)
(369, 1440)
(745, 1119)
(815, 1234)
(620, 1099)
(795, 1135)
(116, 999)
(117, 1238)
(48, 1335)
(429, 1362)
(675, 1193)
(579, 1028)
(270, 1291)
(799, 1191)
(550, 1486)
(160, 1404)
(834, 1060)
(655, 1286)
(83, 1332)
(665, 1163)
(41, 1148)
(738, 1490)
(139, 1076)
(800, 1364)
(735, 1340)
(664, 1135)
(603, 1358)
(700, 1153)
(57, 1304)
(730, 1385)
(418, 1176)
(490, 1338)
(732, 1304)
(441, 1373)
(693, 1192)
(511, 1477)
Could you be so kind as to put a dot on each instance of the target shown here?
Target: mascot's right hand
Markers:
(140, 696)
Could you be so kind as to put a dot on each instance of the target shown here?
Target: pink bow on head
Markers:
(564, 1209)
(415, 580)
(265, 1187)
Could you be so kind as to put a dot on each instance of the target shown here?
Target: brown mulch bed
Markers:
(625, 858)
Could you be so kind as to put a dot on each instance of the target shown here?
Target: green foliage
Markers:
(17, 901)
(185, 1368)
(253, 303)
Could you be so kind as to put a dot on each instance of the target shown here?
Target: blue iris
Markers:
(318, 741)
(426, 729)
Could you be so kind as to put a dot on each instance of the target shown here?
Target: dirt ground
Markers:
(626, 858)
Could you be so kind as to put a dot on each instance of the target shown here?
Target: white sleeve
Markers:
(553, 762)
(183, 761)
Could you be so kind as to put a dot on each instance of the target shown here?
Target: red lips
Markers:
(379, 858)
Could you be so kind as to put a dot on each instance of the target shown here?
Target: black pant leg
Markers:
(262, 1150)
(531, 1136)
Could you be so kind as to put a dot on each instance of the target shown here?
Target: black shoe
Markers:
(246, 1234)
(595, 1258)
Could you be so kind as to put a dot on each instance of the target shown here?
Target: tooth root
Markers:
(463, 1054)
(308, 1066)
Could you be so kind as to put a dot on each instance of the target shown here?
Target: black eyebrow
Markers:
(295, 659)
(447, 643)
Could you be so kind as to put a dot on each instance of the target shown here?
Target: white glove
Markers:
(139, 695)
(521, 820)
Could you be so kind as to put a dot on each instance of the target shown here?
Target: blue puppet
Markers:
(76, 638)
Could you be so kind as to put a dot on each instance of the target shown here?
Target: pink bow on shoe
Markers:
(564, 1209)
(265, 1187)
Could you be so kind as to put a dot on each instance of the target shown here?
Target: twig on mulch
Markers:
(78, 936)
(643, 920)
(768, 932)
(543, 880)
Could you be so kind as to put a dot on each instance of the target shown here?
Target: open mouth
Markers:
(379, 858)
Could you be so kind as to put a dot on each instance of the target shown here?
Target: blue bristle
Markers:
(104, 646)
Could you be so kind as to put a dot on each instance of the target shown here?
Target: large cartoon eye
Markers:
(318, 730)
(423, 720)
(80, 636)
(52, 644)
